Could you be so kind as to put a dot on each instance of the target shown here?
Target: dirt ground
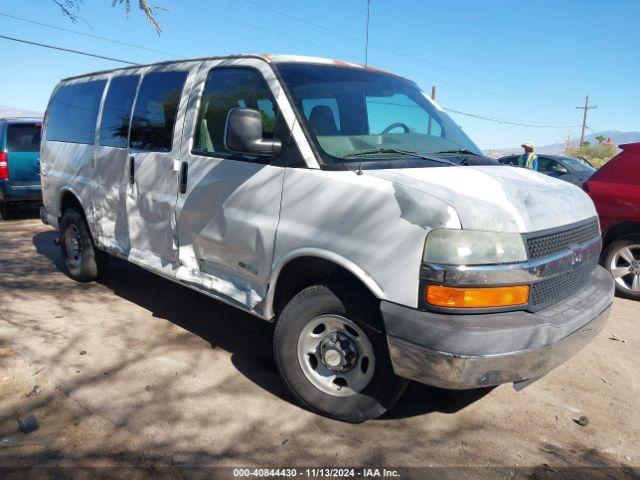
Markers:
(135, 370)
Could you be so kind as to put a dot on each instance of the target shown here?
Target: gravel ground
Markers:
(135, 370)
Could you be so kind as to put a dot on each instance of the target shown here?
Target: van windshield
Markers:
(393, 114)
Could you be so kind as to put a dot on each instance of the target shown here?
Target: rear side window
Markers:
(73, 112)
(23, 137)
(228, 88)
(116, 112)
(155, 112)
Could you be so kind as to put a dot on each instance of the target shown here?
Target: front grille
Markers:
(556, 288)
(540, 245)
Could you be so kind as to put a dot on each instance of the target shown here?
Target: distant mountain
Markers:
(6, 111)
(616, 137)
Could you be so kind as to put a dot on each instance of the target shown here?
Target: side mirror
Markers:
(560, 169)
(243, 134)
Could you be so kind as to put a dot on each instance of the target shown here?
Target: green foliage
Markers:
(596, 154)
(268, 122)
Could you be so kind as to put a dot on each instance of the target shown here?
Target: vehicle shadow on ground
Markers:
(22, 213)
(247, 338)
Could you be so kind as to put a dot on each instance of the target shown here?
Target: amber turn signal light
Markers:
(485, 297)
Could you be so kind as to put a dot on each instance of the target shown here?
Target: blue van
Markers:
(19, 163)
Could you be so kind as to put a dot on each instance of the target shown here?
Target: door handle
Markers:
(184, 173)
(132, 167)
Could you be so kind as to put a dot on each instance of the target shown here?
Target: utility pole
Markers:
(584, 117)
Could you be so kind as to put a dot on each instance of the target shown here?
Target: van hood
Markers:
(498, 198)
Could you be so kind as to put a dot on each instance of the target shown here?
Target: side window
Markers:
(401, 110)
(546, 164)
(154, 115)
(73, 112)
(116, 111)
(323, 115)
(228, 88)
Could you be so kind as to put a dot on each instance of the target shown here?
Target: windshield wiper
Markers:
(376, 151)
(462, 151)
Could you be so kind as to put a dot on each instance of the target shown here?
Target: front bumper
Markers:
(479, 350)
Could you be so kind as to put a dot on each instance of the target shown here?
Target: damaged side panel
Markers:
(151, 197)
(333, 211)
(228, 215)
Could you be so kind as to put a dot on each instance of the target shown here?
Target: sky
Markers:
(523, 62)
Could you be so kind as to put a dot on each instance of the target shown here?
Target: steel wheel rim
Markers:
(625, 267)
(73, 245)
(339, 384)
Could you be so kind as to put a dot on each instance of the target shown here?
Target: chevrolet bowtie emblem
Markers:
(577, 255)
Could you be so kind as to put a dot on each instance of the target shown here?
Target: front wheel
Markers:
(331, 357)
(622, 259)
(78, 252)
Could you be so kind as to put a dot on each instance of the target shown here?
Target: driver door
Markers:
(229, 205)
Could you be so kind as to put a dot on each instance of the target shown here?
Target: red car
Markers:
(615, 190)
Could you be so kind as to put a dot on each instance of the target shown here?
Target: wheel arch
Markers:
(309, 266)
(68, 197)
(618, 230)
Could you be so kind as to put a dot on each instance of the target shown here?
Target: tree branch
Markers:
(70, 9)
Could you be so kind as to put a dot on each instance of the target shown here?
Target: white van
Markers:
(340, 203)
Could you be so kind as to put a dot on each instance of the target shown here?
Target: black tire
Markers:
(82, 263)
(5, 210)
(384, 388)
(608, 255)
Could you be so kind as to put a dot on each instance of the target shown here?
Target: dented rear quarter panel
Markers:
(68, 167)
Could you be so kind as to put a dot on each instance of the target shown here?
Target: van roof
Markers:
(21, 119)
(263, 56)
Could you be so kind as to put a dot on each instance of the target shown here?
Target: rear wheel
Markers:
(331, 357)
(5, 210)
(78, 252)
(622, 259)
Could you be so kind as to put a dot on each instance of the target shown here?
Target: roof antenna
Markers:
(364, 88)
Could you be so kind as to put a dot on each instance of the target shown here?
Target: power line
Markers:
(53, 47)
(506, 122)
(393, 51)
(481, 117)
(302, 20)
(217, 14)
(106, 39)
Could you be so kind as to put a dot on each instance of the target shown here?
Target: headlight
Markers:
(466, 247)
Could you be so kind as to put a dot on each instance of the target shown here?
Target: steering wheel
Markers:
(396, 125)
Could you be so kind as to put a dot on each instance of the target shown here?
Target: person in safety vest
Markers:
(528, 159)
